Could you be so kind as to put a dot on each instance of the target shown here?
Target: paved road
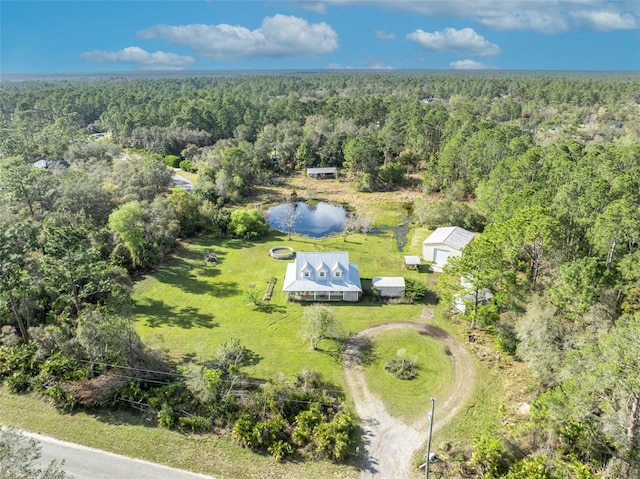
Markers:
(87, 463)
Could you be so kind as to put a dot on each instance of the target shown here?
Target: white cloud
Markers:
(141, 58)
(463, 42)
(544, 16)
(536, 20)
(605, 20)
(382, 35)
(317, 7)
(376, 64)
(468, 65)
(278, 36)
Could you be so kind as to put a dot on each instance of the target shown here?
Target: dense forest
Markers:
(547, 167)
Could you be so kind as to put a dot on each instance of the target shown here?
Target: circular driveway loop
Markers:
(389, 443)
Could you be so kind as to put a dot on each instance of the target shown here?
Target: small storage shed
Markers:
(411, 262)
(445, 242)
(389, 286)
(319, 173)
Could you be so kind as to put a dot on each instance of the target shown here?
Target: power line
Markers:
(254, 382)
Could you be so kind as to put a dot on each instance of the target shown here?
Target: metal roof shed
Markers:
(389, 286)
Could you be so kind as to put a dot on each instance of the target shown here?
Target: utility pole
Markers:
(426, 466)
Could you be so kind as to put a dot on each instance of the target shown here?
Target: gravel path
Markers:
(389, 443)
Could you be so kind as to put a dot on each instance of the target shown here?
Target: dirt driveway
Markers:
(389, 443)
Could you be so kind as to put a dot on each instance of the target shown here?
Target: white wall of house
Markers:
(438, 252)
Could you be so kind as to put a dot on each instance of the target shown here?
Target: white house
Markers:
(445, 242)
(389, 286)
(322, 277)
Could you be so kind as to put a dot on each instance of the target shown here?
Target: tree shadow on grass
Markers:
(335, 354)
(140, 416)
(247, 358)
(179, 272)
(158, 313)
(270, 308)
(358, 350)
(433, 332)
(430, 298)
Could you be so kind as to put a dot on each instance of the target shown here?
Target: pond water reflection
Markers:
(317, 220)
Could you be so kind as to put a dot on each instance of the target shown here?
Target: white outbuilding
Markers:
(389, 286)
(445, 242)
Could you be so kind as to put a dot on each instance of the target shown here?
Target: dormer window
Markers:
(337, 270)
(306, 271)
(322, 271)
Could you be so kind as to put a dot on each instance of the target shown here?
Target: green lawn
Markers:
(189, 307)
(409, 399)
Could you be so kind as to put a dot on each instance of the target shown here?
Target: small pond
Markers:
(316, 220)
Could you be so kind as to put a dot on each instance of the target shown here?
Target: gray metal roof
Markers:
(412, 260)
(349, 279)
(387, 282)
(452, 236)
(322, 171)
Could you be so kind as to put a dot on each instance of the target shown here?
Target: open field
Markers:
(190, 307)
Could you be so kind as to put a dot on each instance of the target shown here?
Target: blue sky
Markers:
(97, 36)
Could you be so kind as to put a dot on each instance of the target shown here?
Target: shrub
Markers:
(19, 383)
(402, 368)
(414, 289)
(187, 165)
(15, 359)
(60, 398)
(335, 439)
(172, 161)
(166, 416)
(306, 422)
(59, 367)
(194, 423)
(392, 173)
(248, 224)
(280, 449)
(121, 256)
(489, 456)
(447, 213)
(243, 430)
(268, 433)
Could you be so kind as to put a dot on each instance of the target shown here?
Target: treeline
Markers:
(561, 257)
(317, 113)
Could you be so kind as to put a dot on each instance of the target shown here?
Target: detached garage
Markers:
(389, 286)
(445, 242)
